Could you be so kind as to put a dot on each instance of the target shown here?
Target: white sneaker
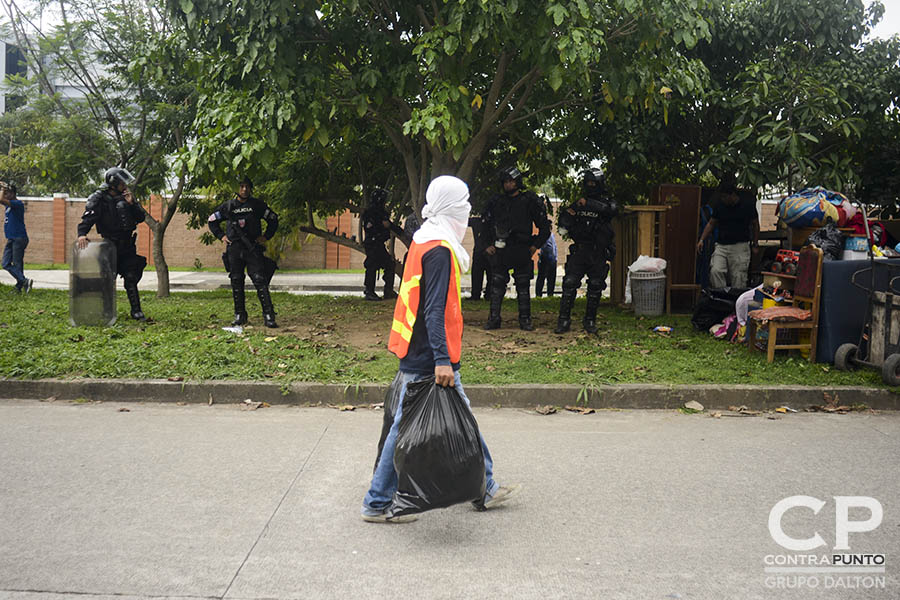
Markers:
(503, 493)
(382, 517)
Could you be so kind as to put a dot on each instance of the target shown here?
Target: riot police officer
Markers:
(588, 223)
(509, 218)
(245, 248)
(116, 213)
(377, 229)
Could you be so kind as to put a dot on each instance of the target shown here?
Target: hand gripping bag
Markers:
(438, 456)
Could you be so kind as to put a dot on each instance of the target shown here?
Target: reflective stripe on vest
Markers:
(406, 309)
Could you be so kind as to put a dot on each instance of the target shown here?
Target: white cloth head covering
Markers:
(446, 214)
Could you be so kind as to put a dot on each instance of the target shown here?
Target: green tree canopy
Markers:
(443, 82)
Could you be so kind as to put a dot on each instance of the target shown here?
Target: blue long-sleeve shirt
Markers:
(548, 250)
(14, 225)
(428, 344)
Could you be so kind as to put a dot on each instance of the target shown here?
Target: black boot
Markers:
(590, 313)
(240, 310)
(389, 293)
(493, 321)
(369, 283)
(566, 302)
(523, 297)
(265, 300)
(135, 300)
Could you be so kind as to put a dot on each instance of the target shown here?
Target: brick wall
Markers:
(52, 223)
(52, 228)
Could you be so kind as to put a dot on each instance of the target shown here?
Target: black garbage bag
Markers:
(438, 458)
(714, 306)
(830, 240)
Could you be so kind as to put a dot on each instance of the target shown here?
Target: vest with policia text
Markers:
(407, 307)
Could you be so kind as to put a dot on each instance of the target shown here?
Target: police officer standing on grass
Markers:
(588, 223)
(245, 248)
(116, 213)
(377, 229)
(509, 218)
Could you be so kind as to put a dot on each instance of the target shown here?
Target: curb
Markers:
(627, 396)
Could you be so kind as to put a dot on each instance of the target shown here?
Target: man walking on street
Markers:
(427, 333)
(16, 237)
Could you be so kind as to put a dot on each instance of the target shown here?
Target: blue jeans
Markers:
(14, 259)
(384, 480)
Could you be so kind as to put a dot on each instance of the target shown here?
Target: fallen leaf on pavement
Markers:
(545, 410)
(693, 405)
(124, 410)
(249, 404)
(175, 378)
(580, 410)
(50, 399)
(346, 407)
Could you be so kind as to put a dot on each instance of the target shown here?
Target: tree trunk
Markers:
(162, 268)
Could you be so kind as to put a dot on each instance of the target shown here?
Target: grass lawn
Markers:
(343, 340)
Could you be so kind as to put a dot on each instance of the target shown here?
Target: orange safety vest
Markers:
(407, 307)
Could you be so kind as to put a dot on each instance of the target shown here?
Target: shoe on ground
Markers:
(492, 324)
(372, 296)
(29, 283)
(389, 294)
(503, 493)
(138, 315)
(563, 326)
(269, 321)
(240, 318)
(373, 516)
(525, 324)
(590, 326)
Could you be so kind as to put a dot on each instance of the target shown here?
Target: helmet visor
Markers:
(125, 176)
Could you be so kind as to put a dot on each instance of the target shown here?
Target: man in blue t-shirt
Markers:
(16, 237)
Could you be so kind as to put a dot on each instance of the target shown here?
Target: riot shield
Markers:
(92, 285)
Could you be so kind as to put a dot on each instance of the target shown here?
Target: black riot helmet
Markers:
(510, 173)
(378, 196)
(593, 180)
(116, 175)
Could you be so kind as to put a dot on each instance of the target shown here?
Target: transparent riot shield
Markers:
(92, 285)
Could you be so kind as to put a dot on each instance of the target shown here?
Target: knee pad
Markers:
(499, 279)
(571, 282)
(237, 283)
(522, 281)
(596, 287)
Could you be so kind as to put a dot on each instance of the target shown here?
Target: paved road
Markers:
(214, 502)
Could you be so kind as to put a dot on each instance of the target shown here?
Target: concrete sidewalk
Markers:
(214, 502)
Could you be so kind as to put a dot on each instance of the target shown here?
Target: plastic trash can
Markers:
(648, 292)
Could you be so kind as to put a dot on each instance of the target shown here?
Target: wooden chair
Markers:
(802, 315)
